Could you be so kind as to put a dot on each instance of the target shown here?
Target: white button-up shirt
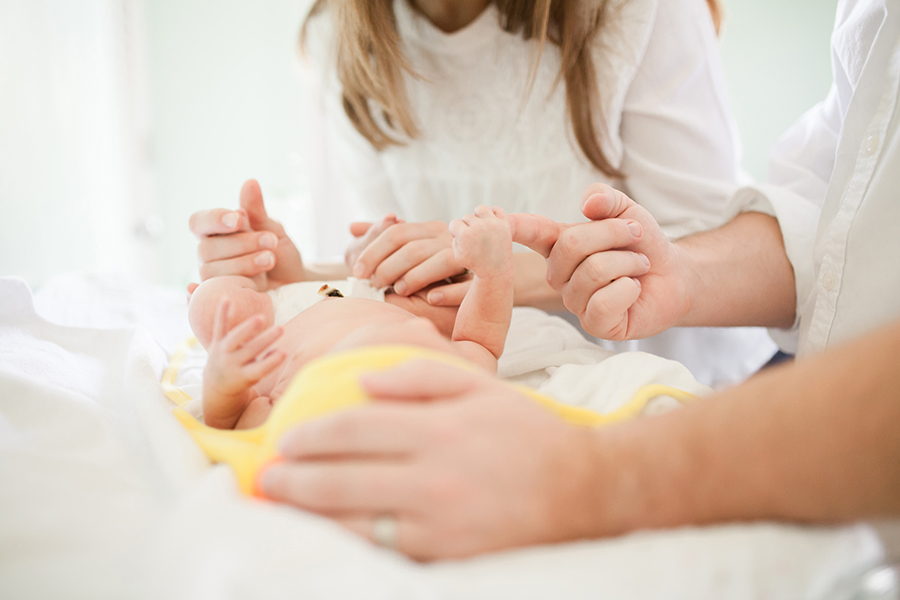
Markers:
(835, 187)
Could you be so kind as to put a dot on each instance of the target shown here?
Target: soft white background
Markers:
(119, 118)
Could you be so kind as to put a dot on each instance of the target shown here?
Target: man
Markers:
(464, 466)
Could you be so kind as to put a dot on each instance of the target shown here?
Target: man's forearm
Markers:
(812, 442)
(738, 274)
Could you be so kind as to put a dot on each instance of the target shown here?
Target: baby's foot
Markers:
(482, 242)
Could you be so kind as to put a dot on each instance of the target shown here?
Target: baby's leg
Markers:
(245, 302)
(482, 243)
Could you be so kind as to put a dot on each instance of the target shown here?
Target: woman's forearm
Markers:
(812, 442)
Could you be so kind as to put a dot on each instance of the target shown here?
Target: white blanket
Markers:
(103, 495)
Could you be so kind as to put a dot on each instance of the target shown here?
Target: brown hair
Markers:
(370, 64)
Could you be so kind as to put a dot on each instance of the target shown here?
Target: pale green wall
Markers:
(63, 161)
(224, 107)
(777, 65)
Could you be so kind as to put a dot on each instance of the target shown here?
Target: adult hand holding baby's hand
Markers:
(246, 242)
(618, 273)
(408, 256)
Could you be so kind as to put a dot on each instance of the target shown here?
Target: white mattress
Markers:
(103, 495)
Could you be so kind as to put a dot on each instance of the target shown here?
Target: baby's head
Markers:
(245, 302)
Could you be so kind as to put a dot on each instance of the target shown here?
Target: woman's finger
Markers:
(215, 221)
(580, 241)
(393, 267)
(606, 314)
(418, 265)
(436, 268)
(392, 239)
(599, 270)
(248, 265)
(366, 237)
(451, 294)
(219, 247)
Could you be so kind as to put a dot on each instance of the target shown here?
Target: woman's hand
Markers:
(408, 256)
(618, 273)
(246, 242)
(463, 462)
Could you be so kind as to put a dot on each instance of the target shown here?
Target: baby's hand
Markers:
(238, 359)
(482, 242)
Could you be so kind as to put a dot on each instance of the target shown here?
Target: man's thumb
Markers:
(252, 202)
(601, 201)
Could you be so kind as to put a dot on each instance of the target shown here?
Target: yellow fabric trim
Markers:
(583, 416)
(172, 392)
(331, 383)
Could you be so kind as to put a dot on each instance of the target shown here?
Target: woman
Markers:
(427, 108)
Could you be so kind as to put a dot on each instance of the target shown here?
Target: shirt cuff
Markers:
(798, 219)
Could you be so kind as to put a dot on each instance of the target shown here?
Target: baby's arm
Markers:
(223, 309)
(482, 243)
(238, 358)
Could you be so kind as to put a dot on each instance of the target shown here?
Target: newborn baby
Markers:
(252, 360)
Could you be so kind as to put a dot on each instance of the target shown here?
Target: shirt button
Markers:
(871, 144)
(828, 281)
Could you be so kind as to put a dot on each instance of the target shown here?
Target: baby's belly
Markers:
(442, 316)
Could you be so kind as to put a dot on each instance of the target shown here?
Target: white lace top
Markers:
(666, 126)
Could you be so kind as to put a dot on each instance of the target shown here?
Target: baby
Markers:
(252, 360)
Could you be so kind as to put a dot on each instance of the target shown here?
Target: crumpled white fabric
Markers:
(103, 495)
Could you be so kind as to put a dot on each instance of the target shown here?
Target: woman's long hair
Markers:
(370, 63)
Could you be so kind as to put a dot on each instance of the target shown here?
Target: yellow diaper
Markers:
(331, 383)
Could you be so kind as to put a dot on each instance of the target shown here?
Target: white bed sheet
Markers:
(102, 494)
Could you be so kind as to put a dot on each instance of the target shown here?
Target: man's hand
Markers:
(465, 464)
(618, 273)
(246, 242)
